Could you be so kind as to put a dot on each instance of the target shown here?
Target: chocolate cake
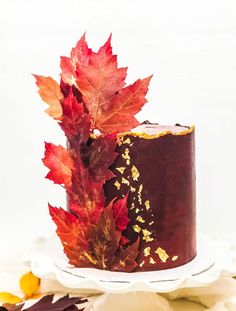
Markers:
(156, 164)
(130, 187)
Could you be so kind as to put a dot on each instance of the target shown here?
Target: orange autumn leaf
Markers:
(60, 163)
(29, 284)
(119, 112)
(9, 298)
(50, 92)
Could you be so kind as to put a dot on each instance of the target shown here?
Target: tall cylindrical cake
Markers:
(156, 165)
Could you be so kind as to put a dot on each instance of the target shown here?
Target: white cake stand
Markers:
(48, 261)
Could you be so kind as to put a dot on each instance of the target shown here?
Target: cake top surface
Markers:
(153, 130)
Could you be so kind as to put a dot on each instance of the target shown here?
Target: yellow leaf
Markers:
(9, 298)
(29, 284)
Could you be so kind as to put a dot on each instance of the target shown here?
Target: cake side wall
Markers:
(159, 175)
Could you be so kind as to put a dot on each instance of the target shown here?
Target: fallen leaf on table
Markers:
(65, 303)
(9, 298)
(29, 284)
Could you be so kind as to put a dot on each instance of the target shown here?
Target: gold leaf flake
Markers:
(147, 204)
(162, 254)
(126, 154)
(140, 219)
(152, 261)
(117, 184)
(146, 235)
(142, 263)
(122, 263)
(132, 206)
(132, 189)
(147, 251)
(125, 181)
(174, 258)
(151, 223)
(137, 210)
(121, 169)
(140, 189)
(120, 140)
(127, 141)
(135, 173)
(136, 228)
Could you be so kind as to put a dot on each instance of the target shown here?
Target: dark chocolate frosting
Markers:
(156, 165)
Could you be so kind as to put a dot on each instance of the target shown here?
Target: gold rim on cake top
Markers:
(151, 136)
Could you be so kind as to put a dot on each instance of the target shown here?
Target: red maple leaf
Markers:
(124, 261)
(92, 95)
(100, 155)
(100, 81)
(120, 212)
(104, 239)
(50, 92)
(46, 303)
(79, 55)
(60, 163)
(96, 245)
(118, 113)
(75, 122)
(73, 235)
(86, 196)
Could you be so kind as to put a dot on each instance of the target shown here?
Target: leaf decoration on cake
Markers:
(46, 303)
(91, 105)
(120, 213)
(75, 121)
(50, 92)
(100, 155)
(124, 261)
(104, 239)
(86, 196)
(100, 81)
(79, 55)
(120, 110)
(60, 163)
(97, 245)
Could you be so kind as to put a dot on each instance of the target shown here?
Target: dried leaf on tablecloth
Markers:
(29, 284)
(60, 163)
(9, 298)
(50, 92)
(46, 303)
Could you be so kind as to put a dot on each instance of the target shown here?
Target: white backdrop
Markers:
(189, 46)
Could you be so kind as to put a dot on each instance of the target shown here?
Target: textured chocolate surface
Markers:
(158, 170)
